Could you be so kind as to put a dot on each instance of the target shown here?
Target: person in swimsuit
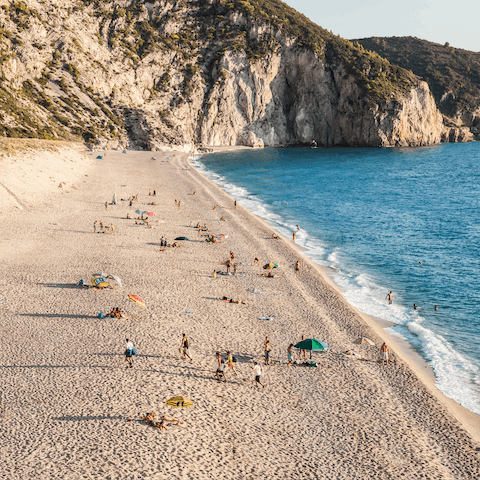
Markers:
(304, 351)
(235, 203)
(290, 354)
(231, 363)
(294, 236)
(228, 264)
(220, 373)
(268, 349)
(385, 351)
(185, 347)
(297, 268)
(235, 269)
(436, 308)
(95, 227)
(389, 297)
(256, 261)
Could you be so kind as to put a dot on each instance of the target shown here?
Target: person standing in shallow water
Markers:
(389, 297)
(294, 236)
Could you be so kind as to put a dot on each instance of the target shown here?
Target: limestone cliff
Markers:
(206, 72)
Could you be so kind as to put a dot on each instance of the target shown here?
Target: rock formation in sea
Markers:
(204, 72)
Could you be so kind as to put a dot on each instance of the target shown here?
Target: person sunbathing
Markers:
(113, 313)
(160, 422)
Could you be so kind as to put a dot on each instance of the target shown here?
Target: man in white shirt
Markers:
(129, 353)
(258, 372)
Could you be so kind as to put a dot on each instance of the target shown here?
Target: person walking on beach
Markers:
(235, 269)
(106, 205)
(228, 264)
(294, 236)
(258, 373)
(231, 363)
(220, 373)
(268, 349)
(385, 351)
(235, 204)
(185, 347)
(304, 351)
(297, 268)
(129, 353)
(389, 297)
(290, 354)
(95, 226)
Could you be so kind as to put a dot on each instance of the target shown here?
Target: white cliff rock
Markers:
(81, 70)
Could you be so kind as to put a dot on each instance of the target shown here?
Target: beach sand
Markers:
(69, 407)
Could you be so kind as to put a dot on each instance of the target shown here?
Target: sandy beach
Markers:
(69, 407)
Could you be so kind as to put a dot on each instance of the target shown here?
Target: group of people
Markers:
(389, 297)
(99, 227)
(115, 313)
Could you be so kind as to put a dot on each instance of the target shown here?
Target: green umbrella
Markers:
(311, 344)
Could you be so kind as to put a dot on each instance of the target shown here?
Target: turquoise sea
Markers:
(373, 215)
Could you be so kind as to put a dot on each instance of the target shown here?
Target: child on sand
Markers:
(290, 354)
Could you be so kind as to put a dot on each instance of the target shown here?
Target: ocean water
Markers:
(373, 215)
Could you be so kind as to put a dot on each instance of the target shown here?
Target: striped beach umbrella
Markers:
(137, 299)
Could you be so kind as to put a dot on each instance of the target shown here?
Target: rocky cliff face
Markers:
(168, 72)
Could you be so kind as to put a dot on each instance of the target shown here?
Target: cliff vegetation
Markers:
(200, 71)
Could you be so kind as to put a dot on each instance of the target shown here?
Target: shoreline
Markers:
(419, 365)
(70, 406)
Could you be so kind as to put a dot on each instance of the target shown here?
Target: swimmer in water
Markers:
(436, 308)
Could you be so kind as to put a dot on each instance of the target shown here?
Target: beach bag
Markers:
(186, 343)
(134, 351)
(100, 315)
(234, 359)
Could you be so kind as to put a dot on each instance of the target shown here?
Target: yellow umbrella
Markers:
(138, 300)
(180, 402)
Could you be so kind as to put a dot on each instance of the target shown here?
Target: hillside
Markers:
(452, 74)
(208, 72)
